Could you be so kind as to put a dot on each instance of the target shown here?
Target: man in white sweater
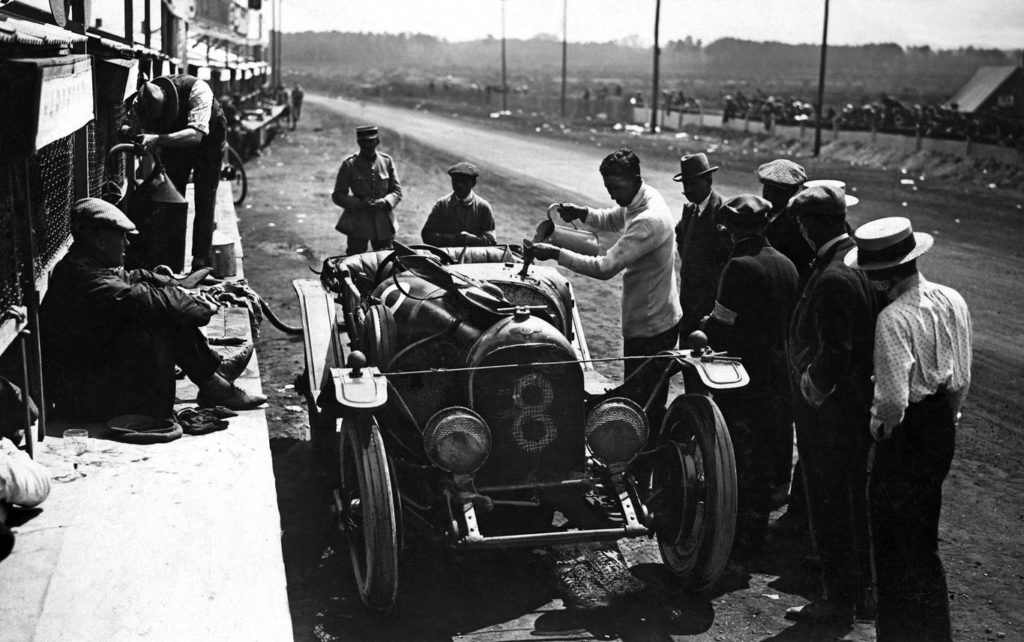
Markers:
(646, 253)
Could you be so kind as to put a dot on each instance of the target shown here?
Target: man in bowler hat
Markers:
(756, 294)
(831, 338)
(461, 218)
(368, 191)
(180, 115)
(702, 241)
(922, 370)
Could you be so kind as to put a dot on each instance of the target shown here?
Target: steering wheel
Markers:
(441, 255)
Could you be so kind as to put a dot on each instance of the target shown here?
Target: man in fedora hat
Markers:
(702, 240)
(645, 252)
(111, 337)
(179, 114)
(756, 294)
(462, 217)
(831, 338)
(922, 370)
(368, 191)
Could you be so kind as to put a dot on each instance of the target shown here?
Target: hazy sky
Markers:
(938, 23)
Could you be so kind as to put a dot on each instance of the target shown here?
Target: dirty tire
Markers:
(695, 432)
(369, 512)
(379, 336)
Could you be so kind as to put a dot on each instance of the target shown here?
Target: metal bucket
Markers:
(222, 252)
(574, 239)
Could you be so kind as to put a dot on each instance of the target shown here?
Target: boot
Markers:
(234, 361)
(218, 391)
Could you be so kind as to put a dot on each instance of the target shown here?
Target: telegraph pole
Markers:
(657, 53)
(565, 48)
(821, 85)
(504, 70)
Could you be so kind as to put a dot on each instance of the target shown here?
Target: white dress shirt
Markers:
(922, 345)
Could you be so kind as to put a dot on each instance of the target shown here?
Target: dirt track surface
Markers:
(287, 227)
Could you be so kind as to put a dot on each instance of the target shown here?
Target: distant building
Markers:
(991, 88)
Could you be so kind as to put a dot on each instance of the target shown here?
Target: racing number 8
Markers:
(533, 428)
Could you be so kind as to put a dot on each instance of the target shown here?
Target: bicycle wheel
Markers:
(233, 171)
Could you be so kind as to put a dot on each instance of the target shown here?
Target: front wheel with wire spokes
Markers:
(695, 481)
(368, 511)
(233, 170)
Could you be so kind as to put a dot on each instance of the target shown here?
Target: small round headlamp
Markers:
(616, 430)
(457, 439)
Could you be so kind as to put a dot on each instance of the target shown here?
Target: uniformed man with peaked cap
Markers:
(368, 191)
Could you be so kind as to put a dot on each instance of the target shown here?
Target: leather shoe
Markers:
(234, 361)
(821, 612)
(232, 398)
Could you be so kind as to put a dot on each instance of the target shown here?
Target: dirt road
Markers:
(287, 227)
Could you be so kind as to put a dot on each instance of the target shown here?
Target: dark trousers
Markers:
(750, 419)
(834, 441)
(135, 376)
(643, 384)
(203, 162)
(358, 245)
(905, 502)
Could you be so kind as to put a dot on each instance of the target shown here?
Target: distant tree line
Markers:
(705, 71)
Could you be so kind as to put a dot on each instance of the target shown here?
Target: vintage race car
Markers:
(451, 392)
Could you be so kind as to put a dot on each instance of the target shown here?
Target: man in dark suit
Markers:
(831, 339)
(781, 179)
(756, 295)
(702, 240)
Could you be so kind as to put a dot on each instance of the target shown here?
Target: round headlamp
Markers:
(457, 439)
(616, 430)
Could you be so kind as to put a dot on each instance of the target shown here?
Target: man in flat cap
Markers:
(368, 191)
(756, 295)
(180, 116)
(922, 370)
(111, 337)
(702, 240)
(781, 179)
(831, 338)
(461, 218)
(645, 252)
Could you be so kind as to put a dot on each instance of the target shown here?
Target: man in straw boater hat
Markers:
(922, 370)
(830, 352)
(702, 240)
(756, 295)
(368, 191)
(180, 115)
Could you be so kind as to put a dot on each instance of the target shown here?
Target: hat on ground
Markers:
(156, 104)
(782, 172)
(746, 210)
(142, 429)
(692, 166)
(95, 213)
(831, 182)
(464, 168)
(367, 132)
(826, 201)
(886, 243)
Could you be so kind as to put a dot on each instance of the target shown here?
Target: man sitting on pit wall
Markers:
(111, 337)
(462, 217)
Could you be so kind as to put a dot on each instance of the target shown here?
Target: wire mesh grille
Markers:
(10, 258)
(51, 188)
